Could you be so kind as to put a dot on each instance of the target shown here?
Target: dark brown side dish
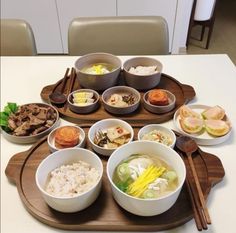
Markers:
(31, 119)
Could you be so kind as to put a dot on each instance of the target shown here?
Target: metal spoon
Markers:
(188, 146)
(57, 97)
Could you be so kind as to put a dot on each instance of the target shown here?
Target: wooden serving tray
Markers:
(104, 214)
(183, 93)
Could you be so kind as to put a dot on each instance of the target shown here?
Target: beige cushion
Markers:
(17, 38)
(127, 35)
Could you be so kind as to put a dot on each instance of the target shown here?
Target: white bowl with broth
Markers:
(146, 207)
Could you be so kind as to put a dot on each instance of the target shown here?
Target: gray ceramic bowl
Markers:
(33, 138)
(83, 109)
(142, 82)
(120, 90)
(157, 108)
(98, 81)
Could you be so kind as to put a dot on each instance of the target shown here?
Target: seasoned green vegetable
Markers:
(8, 110)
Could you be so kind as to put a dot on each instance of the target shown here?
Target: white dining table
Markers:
(214, 80)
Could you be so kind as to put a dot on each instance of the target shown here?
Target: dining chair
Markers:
(204, 23)
(17, 38)
(119, 35)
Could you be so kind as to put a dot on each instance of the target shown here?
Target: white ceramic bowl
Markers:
(105, 124)
(146, 207)
(121, 90)
(51, 138)
(68, 156)
(148, 128)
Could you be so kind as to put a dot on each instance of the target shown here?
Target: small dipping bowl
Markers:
(149, 128)
(142, 82)
(86, 108)
(120, 90)
(159, 108)
(103, 125)
(51, 138)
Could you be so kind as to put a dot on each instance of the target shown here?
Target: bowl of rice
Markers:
(70, 180)
(142, 73)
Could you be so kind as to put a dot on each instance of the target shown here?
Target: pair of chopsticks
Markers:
(200, 211)
(72, 77)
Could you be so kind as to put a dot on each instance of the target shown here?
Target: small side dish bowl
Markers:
(150, 206)
(121, 100)
(37, 118)
(64, 157)
(98, 80)
(116, 127)
(159, 108)
(157, 133)
(83, 105)
(52, 142)
(142, 80)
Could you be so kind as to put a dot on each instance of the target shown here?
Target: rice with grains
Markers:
(72, 179)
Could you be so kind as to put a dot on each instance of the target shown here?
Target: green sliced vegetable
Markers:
(123, 171)
(123, 186)
(149, 193)
(170, 176)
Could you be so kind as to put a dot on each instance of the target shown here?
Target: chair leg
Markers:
(202, 32)
(210, 33)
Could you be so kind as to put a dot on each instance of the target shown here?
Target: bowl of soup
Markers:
(145, 177)
(98, 71)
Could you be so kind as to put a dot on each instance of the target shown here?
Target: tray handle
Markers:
(189, 92)
(14, 166)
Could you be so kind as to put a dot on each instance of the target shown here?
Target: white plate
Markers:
(204, 138)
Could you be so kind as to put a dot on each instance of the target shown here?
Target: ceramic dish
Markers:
(203, 138)
(98, 81)
(158, 108)
(67, 203)
(150, 206)
(83, 109)
(51, 138)
(166, 135)
(36, 137)
(116, 93)
(142, 81)
(103, 125)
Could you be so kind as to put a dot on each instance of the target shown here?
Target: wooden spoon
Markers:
(57, 97)
(188, 146)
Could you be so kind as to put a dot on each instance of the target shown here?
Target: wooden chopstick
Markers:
(194, 206)
(199, 215)
(71, 85)
(199, 190)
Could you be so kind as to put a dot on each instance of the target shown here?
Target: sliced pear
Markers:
(214, 113)
(186, 111)
(217, 127)
(191, 124)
